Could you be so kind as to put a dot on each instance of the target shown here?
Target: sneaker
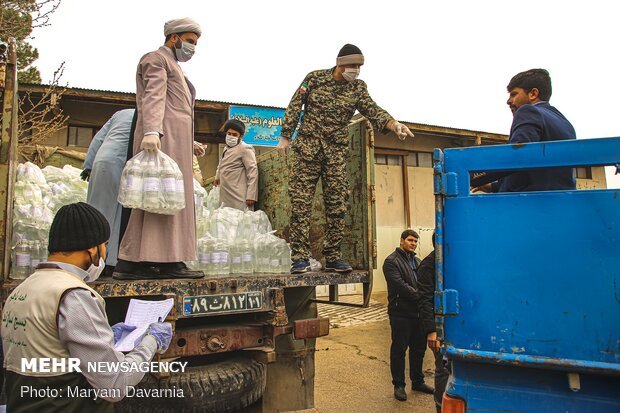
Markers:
(423, 388)
(300, 266)
(338, 266)
(400, 393)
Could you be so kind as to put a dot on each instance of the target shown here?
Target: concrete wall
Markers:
(390, 215)
(598, 181)
(390, 205)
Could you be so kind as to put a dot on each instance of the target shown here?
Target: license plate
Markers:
(222, 303)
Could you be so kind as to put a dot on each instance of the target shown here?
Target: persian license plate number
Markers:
(222, 303)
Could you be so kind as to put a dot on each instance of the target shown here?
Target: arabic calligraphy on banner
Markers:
(262, 125)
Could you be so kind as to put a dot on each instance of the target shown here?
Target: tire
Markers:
(224, 386)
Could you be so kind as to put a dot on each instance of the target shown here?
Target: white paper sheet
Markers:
(141, 314)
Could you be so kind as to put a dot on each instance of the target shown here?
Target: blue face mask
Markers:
(185, 52)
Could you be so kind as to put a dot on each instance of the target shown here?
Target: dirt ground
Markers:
(353, 373)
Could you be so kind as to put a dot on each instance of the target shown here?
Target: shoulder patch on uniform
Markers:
(303, 88)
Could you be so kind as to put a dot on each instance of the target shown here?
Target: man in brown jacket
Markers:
(237, 172)
(154, 245)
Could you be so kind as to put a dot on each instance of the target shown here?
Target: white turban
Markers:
(181, 26)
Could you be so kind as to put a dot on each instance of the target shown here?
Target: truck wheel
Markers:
(224, 386)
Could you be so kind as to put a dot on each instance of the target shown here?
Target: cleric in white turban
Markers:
(157, 245)
(182, 26)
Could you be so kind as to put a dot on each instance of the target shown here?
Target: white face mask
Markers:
(185, 52)
(350, 74)
(95, 272)
(231, 140)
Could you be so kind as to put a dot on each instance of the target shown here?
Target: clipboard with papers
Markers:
(142, 313)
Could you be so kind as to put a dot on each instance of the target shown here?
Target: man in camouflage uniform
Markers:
(329, 99)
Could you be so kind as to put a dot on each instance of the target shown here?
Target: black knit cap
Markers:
(349, 49)
(78, 227)
(234, 124)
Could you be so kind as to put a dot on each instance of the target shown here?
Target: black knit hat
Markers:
(348, 49)
(234, 124)
(78, 227)
(350, 54)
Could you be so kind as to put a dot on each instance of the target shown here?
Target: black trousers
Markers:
(441, 379)
(407, 334)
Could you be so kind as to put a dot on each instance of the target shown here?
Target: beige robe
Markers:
(165, 104)
(238, 175)
(197, 171)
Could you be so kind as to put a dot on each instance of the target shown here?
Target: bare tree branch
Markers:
(19, 17)
(43, 11)
(40, 115)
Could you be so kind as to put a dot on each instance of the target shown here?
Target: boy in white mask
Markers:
(237, 172)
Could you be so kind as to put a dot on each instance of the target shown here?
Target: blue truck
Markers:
(528, 284)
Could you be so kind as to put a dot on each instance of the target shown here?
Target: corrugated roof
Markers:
(114, 92)
(216, 102)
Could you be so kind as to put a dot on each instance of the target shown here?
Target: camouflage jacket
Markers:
(330, 106)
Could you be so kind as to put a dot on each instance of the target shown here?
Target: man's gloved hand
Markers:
(85, 175)
(401, 130)
(150, 143)
(119, 328)
(162, 333)
(283, 146)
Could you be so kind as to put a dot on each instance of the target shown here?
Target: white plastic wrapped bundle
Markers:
(75, 184)
(213, 198)
(53, 174)
(29, 172)
(199, 197)
(153, 183)
(223, 223)
(266, 253)
(202, 223)
(38, 196)
(238, 242)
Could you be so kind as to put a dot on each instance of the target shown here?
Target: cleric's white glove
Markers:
(150, 143)
(401, 130)
(199, 149)
(283, 146)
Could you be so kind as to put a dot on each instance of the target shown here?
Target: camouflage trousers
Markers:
(313, 159)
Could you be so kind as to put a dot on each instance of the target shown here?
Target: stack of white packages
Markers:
(153, 183)
(202, 212)
(212, 201)
(238, 242)
(39, 194)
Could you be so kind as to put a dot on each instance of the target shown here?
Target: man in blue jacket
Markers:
(535, 120)
(400, 270)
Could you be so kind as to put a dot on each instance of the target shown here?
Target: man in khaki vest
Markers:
(54, 315)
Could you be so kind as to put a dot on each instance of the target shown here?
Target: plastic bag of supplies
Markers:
(152, 182)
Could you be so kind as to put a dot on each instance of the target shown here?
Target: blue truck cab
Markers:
(528, 284)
